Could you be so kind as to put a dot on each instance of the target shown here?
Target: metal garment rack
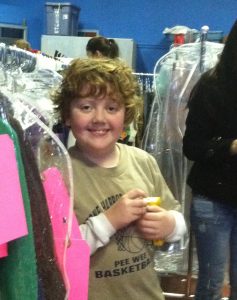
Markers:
(143, 74)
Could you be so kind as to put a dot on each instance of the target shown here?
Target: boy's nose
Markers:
(99, 115)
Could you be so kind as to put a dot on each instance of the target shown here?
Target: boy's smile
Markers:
(96, 124)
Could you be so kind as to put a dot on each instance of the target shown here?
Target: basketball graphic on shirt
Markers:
(129, 240)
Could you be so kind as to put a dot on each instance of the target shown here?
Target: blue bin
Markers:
(61, 18)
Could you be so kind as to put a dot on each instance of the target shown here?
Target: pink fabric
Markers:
(73, 260)
(12, 221)
(3, 250)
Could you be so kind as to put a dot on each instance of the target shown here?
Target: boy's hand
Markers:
(130, 207)
(157, 223)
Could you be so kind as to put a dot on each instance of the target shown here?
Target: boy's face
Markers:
(96, 123)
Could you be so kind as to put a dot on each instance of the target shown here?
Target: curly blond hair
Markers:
(101, 77)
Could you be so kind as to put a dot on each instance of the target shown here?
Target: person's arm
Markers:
(199, 143)
(127, 209)
(97, 232)
(161, 224)
(202, 141)
(164, 222)
(180, 227)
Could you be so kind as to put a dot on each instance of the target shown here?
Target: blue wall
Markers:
(142, 20)
(20, 11)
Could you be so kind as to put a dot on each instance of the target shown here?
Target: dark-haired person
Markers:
(99, 46)
(210, 141)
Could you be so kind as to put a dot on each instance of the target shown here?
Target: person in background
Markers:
(23, 44)
(96, 99)
(210, 141)
(99, 46)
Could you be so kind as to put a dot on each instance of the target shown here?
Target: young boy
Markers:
(97, 98)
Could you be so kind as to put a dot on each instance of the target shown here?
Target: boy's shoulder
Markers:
(131, 149)
(136, 152)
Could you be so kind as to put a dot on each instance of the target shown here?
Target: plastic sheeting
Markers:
(174, 76)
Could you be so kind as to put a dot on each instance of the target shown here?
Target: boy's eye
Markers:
(86, 107)
(113, 108)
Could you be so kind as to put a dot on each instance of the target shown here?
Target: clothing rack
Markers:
(146, 81)
(144, 74)
(13, 58)
(177, 72)
(146, 84)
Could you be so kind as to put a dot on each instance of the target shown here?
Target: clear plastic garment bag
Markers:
(174, 76)
(40, 150)
(25, 100)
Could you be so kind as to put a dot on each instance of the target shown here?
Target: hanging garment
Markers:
(50, 279)
(18, 276)
(72, 251)
(50, 152)
(174, 76)
(12, 222)
(32, 87)
(145, 81)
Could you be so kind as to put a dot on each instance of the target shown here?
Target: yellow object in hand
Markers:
(155, 201)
